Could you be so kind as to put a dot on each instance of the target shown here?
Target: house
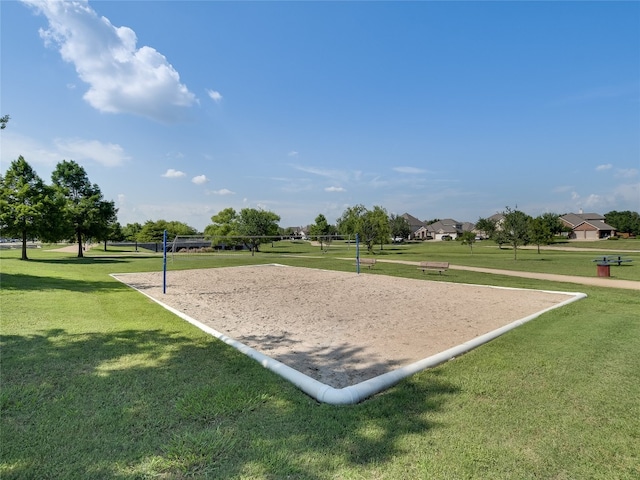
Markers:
(498, 219)
(417, 227)
(448, 229)
(587, 226)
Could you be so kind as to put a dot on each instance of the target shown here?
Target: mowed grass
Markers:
(97, 381)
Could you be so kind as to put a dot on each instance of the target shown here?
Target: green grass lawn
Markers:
(98, 381)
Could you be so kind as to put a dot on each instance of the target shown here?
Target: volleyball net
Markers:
(194, 246)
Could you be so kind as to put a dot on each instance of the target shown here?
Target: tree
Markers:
(111, 229)
(487, 226)
(3, 121)
(624, 222)
(249, 227)
(371, 225)
(349, 223)
(86, 214)
(553, 223)
(322, 230)
(153, 231)
(255, 223)
(380, 220)
(224, 224)
(468, 238)
(515, 229)
(24, 203)
(540, 232)
(130, 232)
(399, 226)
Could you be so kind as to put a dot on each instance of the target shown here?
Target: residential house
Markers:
(417, 227)
(497, 219)
(448, 229)
(587, 226)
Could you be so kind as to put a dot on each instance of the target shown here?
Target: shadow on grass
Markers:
(102, 260)
(143, 403)
(23, 282)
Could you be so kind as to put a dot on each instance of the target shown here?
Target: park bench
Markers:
(612, 260)
(367, 262)
(439, 266)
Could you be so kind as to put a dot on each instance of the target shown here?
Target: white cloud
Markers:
(215, 96)
(121, 77)
(292, 153)
(171, 173)
(200, 179)
(223, 191)
(628, 196)
(593, 201)
(410, 170)
(36, 153)
(602, 168)
(337, 175)
(334, 189)
(107, 154)
(626, 172)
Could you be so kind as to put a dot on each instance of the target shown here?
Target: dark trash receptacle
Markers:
(604, 270)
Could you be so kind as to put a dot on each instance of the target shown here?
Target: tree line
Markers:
(70, 208)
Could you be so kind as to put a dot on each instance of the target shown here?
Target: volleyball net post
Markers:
(164, 262)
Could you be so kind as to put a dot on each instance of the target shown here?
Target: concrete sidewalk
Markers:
(608, 282)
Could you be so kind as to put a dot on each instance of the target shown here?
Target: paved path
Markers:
(592, 281)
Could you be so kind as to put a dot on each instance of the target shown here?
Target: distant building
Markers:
(416, 225)
(448, 229)
(587, 226)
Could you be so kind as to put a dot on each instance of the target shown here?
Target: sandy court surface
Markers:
(336, 327)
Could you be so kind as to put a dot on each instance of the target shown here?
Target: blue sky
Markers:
(178, 110)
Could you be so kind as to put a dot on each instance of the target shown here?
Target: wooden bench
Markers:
(367, 262)
(439, 266)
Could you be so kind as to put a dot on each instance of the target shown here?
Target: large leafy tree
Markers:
(249, 227)
(376, 222)
(540, 232)
(371, 225)
(553, 223)
(153, 231)
(487, 226)
(130, 231)
(223, 224)
(86, 213)
(515, 229)
(322, 230)
(399, 226)
(624, 222)
(255, 224)
(350, 221)
(26, 203)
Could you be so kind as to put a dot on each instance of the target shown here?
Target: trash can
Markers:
(604, 270)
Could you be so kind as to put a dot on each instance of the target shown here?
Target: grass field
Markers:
(98, 382)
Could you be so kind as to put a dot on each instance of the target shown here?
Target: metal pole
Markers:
(358, 254)
(164, 262)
